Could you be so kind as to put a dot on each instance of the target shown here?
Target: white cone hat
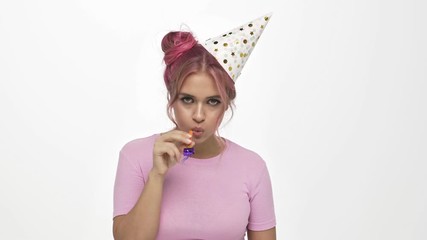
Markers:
(233, 48)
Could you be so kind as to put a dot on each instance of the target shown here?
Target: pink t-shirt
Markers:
(215, 198)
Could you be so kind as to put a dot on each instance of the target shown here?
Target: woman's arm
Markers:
(269, 234)
(142, 222)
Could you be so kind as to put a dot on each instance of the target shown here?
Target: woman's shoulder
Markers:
(244, 154)
(141, 144)
(137, 154)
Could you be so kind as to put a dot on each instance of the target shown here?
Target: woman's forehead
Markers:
(199, 85)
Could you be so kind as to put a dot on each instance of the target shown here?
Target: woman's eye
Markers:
(186, 100)
(213, 102)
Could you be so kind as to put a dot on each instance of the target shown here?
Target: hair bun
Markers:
(174, 44)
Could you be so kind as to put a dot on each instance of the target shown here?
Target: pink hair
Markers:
(185, 56)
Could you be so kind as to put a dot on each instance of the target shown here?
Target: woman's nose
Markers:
(199, 115)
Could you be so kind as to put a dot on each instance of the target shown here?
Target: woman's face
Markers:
(199, 107)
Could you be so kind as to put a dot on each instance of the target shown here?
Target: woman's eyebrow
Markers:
(186, 94)
(189, 95)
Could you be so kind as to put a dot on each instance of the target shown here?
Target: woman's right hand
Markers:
(168, 150)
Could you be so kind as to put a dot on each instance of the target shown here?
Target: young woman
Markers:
(221, 192)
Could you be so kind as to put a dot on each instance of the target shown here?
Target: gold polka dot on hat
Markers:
(233, 48)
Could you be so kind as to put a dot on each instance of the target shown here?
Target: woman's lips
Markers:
(197, 132)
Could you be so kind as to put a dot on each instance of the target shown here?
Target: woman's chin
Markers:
(198, 141)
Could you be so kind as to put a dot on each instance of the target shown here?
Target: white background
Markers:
(333, 98)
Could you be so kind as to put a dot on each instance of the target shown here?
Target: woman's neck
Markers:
(210, 148)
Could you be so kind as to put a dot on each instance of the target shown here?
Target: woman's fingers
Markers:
(168, 149)
(176, 153)
(181, 148)
(177, 136)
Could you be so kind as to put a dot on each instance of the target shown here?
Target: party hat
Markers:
(233, 48)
